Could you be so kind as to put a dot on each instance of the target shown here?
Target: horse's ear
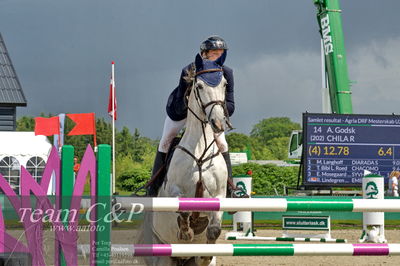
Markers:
(199, 62)
(220, 61)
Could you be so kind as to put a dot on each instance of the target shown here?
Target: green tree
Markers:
(138, 147)
(260, 151)
(26, 123)
(279, 147)
(149, 147)
(274, 127)
(237, 141)
(274, 133)
(104, 131)
(142, 148)
(124, 143)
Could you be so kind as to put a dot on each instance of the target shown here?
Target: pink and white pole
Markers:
(191, 250)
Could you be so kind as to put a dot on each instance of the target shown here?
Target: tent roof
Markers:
(19, 144)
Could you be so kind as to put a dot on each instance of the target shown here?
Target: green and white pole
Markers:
(257, 204)
(289, 239)
(192, 250)
(373, 188)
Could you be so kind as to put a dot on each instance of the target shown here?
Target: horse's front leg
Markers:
(213, 232)
(185, 232)
(214, 228)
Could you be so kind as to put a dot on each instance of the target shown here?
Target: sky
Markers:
(62, 52)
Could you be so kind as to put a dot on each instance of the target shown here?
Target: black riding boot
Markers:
(231, 188)
(158, 174)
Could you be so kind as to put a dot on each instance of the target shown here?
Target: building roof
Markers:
(11, 93)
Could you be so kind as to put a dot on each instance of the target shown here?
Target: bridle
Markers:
(202, 159)
(200, 101)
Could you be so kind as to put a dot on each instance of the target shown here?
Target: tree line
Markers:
(268, 140)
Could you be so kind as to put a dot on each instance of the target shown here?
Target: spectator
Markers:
(394, 184)
(77, 165)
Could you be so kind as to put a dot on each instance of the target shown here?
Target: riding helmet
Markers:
(213, 43)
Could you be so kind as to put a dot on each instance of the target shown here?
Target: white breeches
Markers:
(171, 130)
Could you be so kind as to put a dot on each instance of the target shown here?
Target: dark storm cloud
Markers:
(62, 52)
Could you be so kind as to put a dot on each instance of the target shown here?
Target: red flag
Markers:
(85, 124)
(47, 126)
(112, 110)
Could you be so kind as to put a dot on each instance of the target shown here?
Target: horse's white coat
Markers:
(183, 172)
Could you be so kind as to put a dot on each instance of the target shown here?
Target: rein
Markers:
(200, 101)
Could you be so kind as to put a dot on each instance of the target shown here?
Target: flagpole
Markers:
(94, 132)
(113, 127)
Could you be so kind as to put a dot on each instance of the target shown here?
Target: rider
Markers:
(213, 48)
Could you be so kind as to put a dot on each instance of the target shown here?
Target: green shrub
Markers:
(131, 175)
(133, 179)
(268, 177)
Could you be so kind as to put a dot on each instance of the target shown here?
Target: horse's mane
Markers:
(190, 74)
(189, 77)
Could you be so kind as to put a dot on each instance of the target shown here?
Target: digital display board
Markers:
(338, 148)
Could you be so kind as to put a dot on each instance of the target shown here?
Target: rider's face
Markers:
(214, 54)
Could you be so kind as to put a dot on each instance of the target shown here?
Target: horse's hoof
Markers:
(203, 261)
(213, 232)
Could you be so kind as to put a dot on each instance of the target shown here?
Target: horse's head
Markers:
(207, 95)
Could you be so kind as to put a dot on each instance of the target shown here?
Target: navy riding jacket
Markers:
(176, 107)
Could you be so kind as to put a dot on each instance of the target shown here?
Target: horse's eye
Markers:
(199, 86)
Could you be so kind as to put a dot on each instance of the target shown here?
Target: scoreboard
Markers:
(338, 148)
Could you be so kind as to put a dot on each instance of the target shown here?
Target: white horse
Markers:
(197, 169)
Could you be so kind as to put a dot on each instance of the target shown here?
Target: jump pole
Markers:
(258, 204)
(191, 250)
(289, 239)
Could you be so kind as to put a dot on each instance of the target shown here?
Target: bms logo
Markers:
(326, 35)
(371, 190)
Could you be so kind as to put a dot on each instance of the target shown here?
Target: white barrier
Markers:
(191, 250)
(258, 204)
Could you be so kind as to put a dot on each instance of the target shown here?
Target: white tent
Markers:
(22, 149)
(23, 146)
